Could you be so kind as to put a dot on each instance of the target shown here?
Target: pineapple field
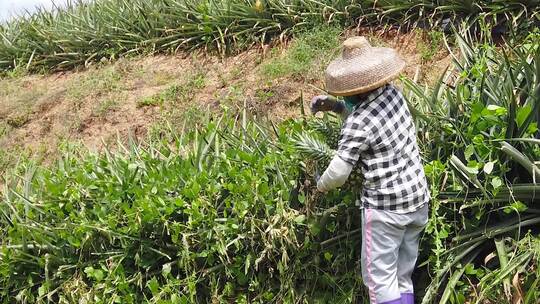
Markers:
(221, 206)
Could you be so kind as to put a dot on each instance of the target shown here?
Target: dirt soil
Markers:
(101, 103)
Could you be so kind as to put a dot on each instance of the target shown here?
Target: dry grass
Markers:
(135, 96)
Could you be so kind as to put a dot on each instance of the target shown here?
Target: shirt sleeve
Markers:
(335, 175)
(355, 138)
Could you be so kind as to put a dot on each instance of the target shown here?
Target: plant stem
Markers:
(503, 260)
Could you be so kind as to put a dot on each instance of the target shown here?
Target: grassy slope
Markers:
(142, 95)
(111, 29)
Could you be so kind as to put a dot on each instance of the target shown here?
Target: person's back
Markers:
(391, 165)
(379, 135)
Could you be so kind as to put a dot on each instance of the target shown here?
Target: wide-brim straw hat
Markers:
(362, 68)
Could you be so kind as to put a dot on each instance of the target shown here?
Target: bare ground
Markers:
(101, 103)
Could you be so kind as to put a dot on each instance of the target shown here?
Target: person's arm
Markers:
(355, 138)
(335, 175)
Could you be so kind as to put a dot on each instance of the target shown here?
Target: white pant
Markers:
(389, 252)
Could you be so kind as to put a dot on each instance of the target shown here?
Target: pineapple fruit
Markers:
(321, 149)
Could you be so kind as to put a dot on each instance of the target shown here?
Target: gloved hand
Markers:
(321, 103)
(324, 103)
(316, 176)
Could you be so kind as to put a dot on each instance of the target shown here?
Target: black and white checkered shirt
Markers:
(380, 135)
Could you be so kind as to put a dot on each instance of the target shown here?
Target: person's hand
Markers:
(322, 103)
(316, 176)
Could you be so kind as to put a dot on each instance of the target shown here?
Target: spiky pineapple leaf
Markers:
(313, 148)
(328, 128)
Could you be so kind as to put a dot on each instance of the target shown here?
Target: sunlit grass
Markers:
(104, 30)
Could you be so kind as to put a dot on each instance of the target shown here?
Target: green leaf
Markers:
(515, 206)
(166, 269)
(328, 256)
(488, 167)
(42, 290)
(300, 219)
(469, 269)
(89, 270)
(242, 279)
(522, 114)
(497, 109)
(247, 263)
(496, 182)
(493, 107)
(153, 285)
(469, 151)
(314, 228)
(442, 234)
(96, 274)
(472, 170)
(532, 128)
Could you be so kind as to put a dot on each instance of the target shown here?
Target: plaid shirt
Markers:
(380, 135)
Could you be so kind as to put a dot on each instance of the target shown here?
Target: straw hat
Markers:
(362, 68)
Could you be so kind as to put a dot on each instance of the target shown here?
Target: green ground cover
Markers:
(227, 211)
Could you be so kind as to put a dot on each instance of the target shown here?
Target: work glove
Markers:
(324, 103)
(316, 176)
(321, 103)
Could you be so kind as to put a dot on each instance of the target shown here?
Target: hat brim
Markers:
(363, 73)
(371, 87)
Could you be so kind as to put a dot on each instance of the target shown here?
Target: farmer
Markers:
(378, 134)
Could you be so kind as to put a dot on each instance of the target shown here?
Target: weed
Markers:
(430, 45)
(75, 123)
(15, 73)
(178, 120)
(159, 78)
(18, 119)
(170, 94)
(105, 106)
(308, 53)
(223, 79)
(193, 114)
(173, 92)
(96, 82)
(20, 94)
(197, 80)
(264, 95)
(5, 128)
(226, 78)
(232, 97)
(176, 92)
(150, 101)
(154, 77)
(9, 157)
(236, 72)
(124, 67)
(6, 160)
(7, 87)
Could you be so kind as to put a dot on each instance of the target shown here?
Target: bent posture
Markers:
(378, 134)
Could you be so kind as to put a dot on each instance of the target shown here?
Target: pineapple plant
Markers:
(329, 129)
(321, 147)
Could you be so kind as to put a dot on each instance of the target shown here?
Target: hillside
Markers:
(163, 152)
(140, 96)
